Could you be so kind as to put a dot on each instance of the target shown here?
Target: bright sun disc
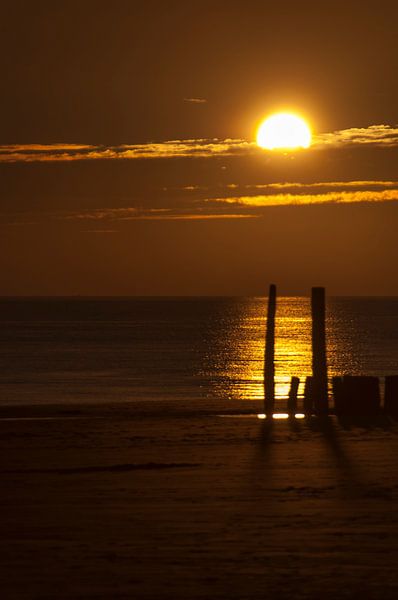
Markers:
(284, 131)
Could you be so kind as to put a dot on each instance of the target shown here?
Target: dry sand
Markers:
(130, 504)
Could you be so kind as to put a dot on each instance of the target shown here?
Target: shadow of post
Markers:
(354, 481)
(269, 355)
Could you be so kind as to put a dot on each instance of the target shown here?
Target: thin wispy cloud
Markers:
(340, 197)
(199, 148)
(232, 207)
(189, 212)
(102, 231)
(324, 185)
(231, 204)
(314, 193)
(196, 100)
(376, 135)
(293, 186)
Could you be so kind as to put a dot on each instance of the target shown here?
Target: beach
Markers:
(134, 465)
(198, 300)
(148, 503)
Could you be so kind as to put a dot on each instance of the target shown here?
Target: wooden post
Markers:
(269, 359)
(292, 400)
(391, 396)
(360, 396)
(308, 404)
(338, 395)
(319, 364)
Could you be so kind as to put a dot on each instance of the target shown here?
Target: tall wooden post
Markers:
(319, 364)
(308, 402)
(269, 360)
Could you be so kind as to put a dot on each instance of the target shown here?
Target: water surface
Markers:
(118, 350)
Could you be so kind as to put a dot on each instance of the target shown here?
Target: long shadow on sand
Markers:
(263, 457)
(353, 479)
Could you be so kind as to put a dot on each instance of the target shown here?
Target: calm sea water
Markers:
(117, 350)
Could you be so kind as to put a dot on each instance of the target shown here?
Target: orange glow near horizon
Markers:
(284, 131)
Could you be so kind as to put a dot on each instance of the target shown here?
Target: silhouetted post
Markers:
(358, 396)
(319, 364)
(338, 395)
(308, 404)
(292, 399)
(391, 396)
(269, 359)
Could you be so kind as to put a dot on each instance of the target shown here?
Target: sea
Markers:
(180, 350)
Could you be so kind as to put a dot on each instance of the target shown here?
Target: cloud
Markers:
(119, 215)
(232, 205)
(295, 186)
(100, 231)
(325, 185)
(376, 135)
(289, 199)
(199, 148)
(236, 205)
(196, 100)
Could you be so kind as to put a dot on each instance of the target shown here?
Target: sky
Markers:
(128, 162)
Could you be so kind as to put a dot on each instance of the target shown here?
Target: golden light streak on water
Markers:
(282, 416)
(237, 356)
(292, 351)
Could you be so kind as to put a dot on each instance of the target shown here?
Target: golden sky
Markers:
(128, 159)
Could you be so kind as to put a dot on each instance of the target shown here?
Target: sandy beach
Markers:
(128, 503)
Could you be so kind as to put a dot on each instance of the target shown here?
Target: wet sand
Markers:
(106, 503)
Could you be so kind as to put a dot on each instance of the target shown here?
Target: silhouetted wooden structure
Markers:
(269, 359)
(338, 395)
(391, 396)
(292, 399)
(354, 395)
(319, 362)
(308, 402)
(357, 395)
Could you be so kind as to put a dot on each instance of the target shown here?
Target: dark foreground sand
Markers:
(108, 504)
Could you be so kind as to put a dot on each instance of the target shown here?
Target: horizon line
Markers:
(172, 296)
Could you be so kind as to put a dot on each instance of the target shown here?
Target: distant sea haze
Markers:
(76, 350)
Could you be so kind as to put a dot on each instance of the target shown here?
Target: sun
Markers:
(284, 131)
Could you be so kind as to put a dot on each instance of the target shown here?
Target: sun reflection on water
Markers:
(245, 374)
(282, 416)
(360, 340)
